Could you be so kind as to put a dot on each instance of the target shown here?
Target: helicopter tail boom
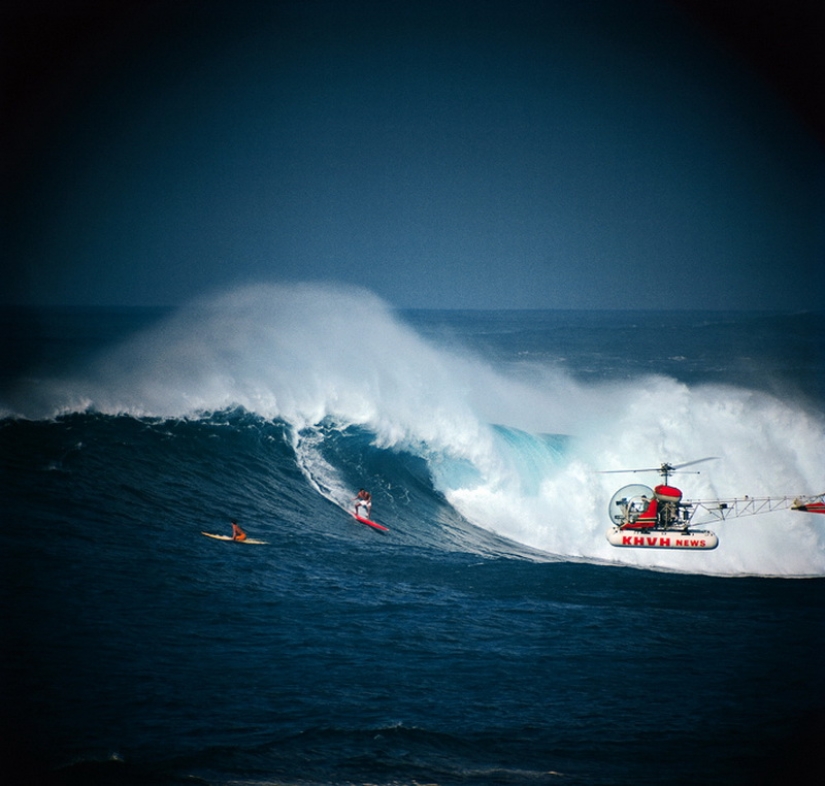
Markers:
(722, 509)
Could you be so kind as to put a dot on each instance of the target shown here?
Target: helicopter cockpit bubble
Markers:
(628, 503)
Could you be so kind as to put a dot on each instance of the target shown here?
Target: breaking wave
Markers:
(516, 449)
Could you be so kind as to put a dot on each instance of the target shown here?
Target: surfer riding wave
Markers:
(363, 500)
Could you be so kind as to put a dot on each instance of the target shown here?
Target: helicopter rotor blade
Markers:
(615, 471)
(662, 469)
(674, 467)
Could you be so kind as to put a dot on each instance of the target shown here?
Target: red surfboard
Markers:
(373, 524)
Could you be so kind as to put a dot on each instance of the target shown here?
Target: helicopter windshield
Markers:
(628, 503)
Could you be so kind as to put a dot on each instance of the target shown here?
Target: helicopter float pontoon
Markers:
(657, 518)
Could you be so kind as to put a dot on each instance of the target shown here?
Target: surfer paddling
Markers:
(363, 500)
(237, 532)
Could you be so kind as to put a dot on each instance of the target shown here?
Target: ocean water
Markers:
(492, 635)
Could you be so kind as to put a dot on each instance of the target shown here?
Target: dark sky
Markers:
(568, 153)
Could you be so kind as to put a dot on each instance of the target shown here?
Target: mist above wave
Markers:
(296, 352)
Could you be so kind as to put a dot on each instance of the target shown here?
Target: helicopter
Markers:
(657, 518)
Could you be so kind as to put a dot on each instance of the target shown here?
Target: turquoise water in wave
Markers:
(492, 635)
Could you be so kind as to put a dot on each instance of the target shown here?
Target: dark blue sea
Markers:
(492, 635)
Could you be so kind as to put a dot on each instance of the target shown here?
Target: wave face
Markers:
(482, 432)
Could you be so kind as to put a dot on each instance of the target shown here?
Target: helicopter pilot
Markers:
(648, 518)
